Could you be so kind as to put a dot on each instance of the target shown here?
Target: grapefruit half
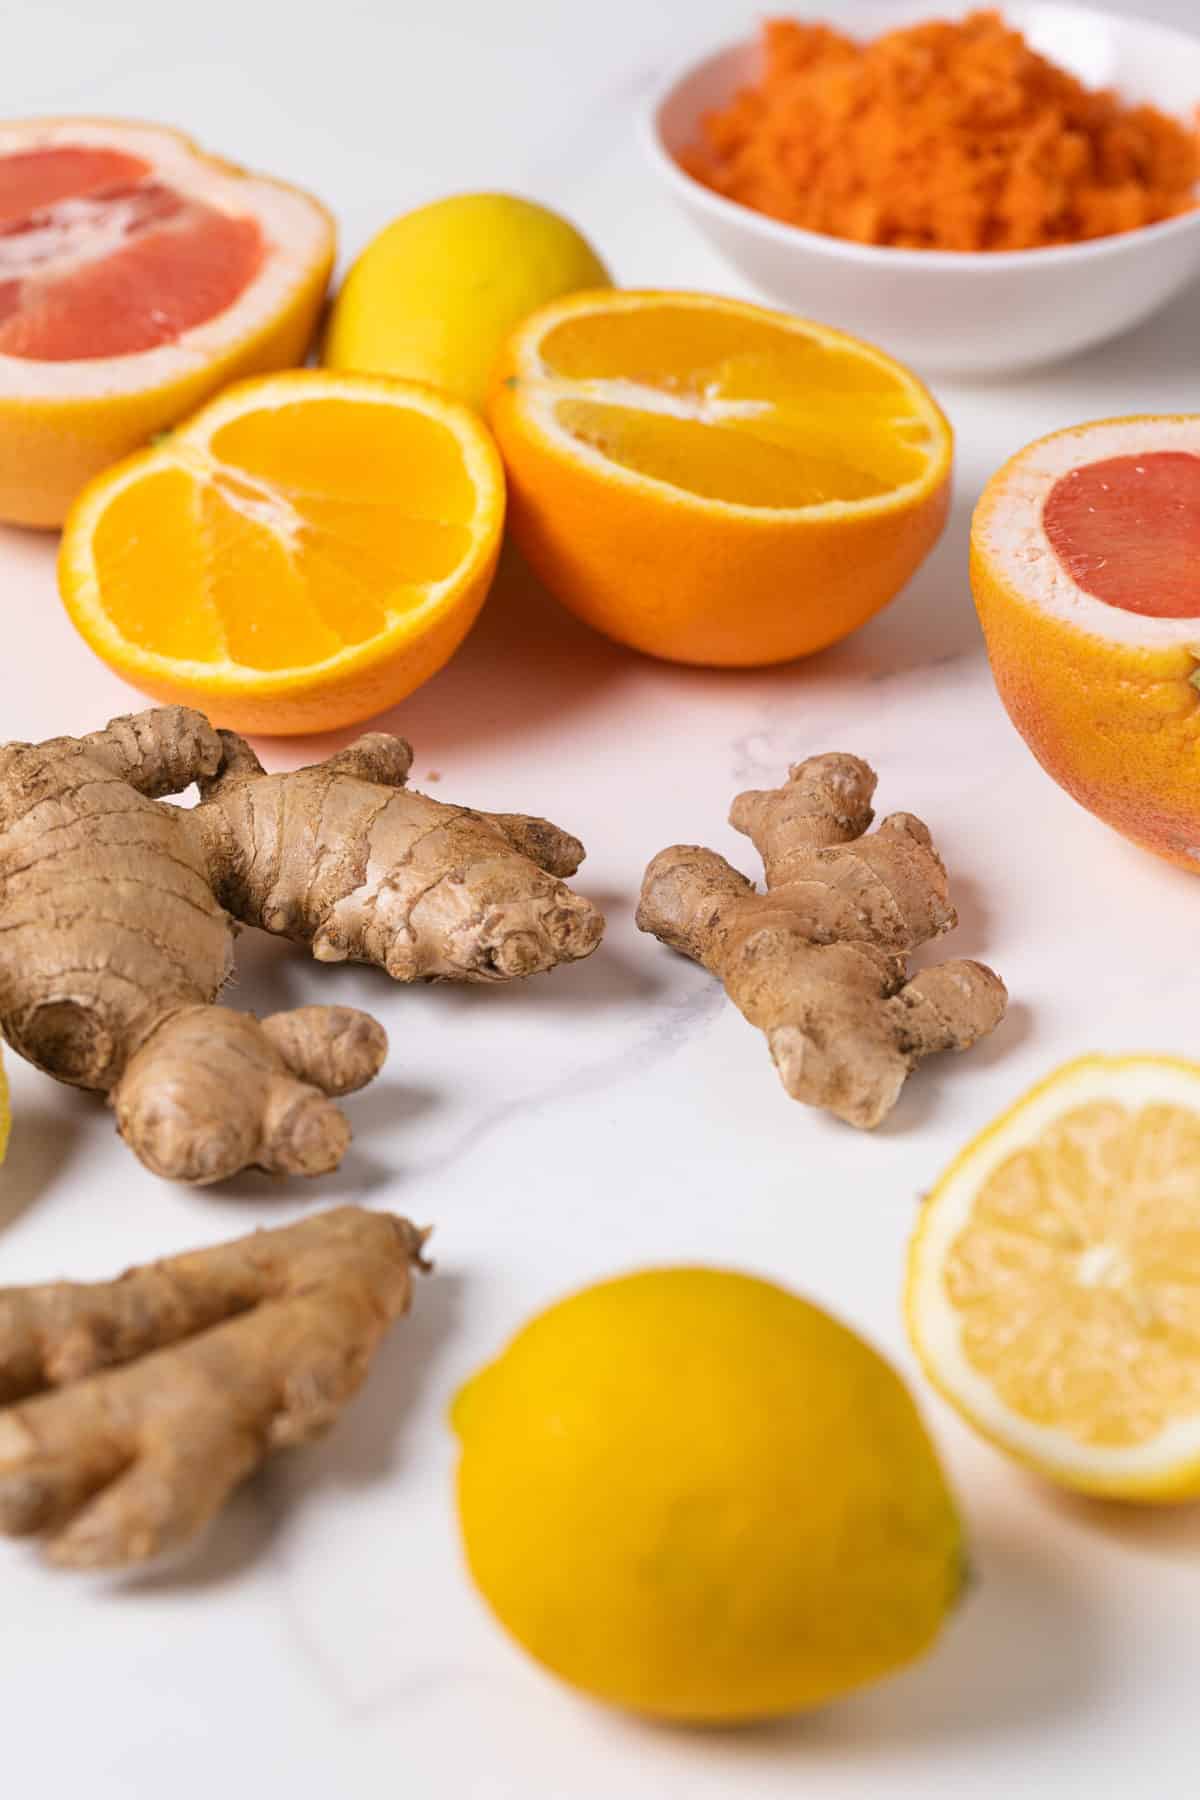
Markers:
(1085, 565)
(137, 276)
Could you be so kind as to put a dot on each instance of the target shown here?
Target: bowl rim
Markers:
(889, 256)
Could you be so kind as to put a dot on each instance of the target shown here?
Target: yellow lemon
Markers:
(692, 1494)
(5, 1113)
(1054, 1279)
(435, 295)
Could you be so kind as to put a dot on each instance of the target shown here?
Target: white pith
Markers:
(1009, 528)
(543, 390)
(937, 1326)
(80, 232)
(298, 235)
(269, 508)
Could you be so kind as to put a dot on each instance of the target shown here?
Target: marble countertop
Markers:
(324, 1639)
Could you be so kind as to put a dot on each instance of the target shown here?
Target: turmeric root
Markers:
(133, 1408)
(118, 916)
(819, 961)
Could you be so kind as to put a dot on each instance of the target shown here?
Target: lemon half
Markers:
(1054, 1279)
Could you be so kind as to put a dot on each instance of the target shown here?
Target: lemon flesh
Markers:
(694, 1495)
(434, 296)
(1054, 1279)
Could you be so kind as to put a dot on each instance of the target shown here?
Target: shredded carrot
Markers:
(944, 136)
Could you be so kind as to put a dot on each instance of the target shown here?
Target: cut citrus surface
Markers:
(1054, 1278)
(1085, 572)
(137, 276)
(304, 552)
(713, 482)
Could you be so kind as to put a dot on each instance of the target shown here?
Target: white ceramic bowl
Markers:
(960, 312)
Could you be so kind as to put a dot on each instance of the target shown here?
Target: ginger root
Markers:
(819, 961)
(133, 1408)
(118, 916)
(343, 857)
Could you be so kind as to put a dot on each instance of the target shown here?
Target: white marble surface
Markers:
(324, 1640)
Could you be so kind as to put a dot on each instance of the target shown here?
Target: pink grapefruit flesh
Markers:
(139, 275)
(33, 178)
(1127, 531)
(98, 258)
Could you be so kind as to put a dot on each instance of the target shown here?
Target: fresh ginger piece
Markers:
(120, 914)
(343, 857)
(819, 961)
(213, 1091)
(133, 1408)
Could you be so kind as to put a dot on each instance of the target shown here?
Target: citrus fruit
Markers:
(712, 482)
(1054, 1278)
(434, 296)
(692, 1494)
(137, 276)
(5, 1112)
(1085, 561)
(304, 552)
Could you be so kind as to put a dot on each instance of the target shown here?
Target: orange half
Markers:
(137, 276)
(714, 482)
(304, 552)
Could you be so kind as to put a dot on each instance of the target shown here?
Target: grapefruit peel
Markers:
(1106, 697)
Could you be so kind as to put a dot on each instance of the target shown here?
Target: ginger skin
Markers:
(343, 857)
(119, 915)
(133, 1408)
(819, 961)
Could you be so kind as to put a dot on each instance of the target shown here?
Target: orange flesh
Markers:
(733, 409)
(1127, 531)
(97, 258)
(298, 532)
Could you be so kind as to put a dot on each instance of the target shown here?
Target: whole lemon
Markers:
(695, 1495)
(436, 294)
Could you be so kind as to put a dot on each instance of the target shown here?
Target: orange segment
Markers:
(729, 461)
(1083, 557)
(355, 453)
(303, 553)
(712, 482)
(149, 529)
(1054, 1281)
